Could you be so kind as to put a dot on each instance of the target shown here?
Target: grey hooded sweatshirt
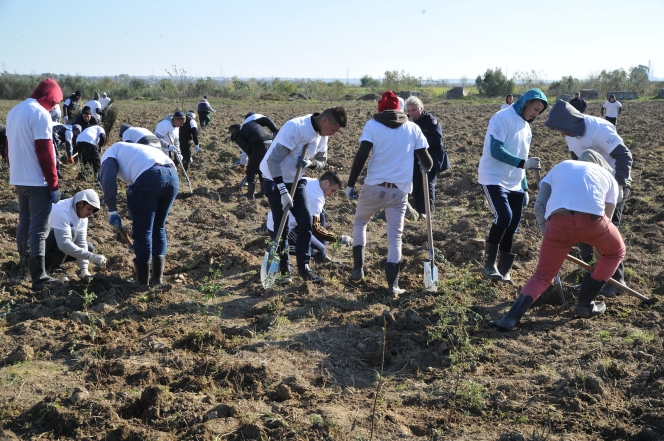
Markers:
(71, 232)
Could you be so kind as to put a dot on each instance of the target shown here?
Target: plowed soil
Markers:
(211, 355)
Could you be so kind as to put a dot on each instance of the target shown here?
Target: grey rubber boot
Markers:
(585, 305)
(609, 290)
(513, 316)
(358, 263)
(142, 273)
(505, 262)
(490, 271)
(392, 271)
(158, 263)
(251, 189)
(40, 280)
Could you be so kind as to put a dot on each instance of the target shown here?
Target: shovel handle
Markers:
(427, 209)
(618, 285)
(126, 237)
(182, 167)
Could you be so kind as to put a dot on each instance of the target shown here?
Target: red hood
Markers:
(47, 93)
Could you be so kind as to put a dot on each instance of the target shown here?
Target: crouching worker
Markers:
(317, 191)
(153, 184)
(575, 204)
(69, 231)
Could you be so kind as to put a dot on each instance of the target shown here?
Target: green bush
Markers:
(494, 83)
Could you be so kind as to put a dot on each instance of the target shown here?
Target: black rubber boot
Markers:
(40, 280)
(518, 309)
(251, 189)
(158, 263)
(609, 290)
(324, 258)
(142, 273)
(490, 271)
(392, 271)
(505, 262)
(358, 263)
(261, 193)
(585, 305)
(308, 275)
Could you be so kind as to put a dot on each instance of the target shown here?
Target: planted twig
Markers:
(380, 379)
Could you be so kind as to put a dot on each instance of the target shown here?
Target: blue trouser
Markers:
(34, 219)
(149, 200)
(418, 189)
(507, 207)
(302, 215)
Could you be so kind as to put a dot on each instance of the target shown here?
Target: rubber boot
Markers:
(308, 275)
(251, 189)
(585, 305)
(392, 275)
(142, 273)
(40, 280)
(158, 263)
(490, 271)
(505, 262)
(358, 263)
(513, 316)
(609, 290)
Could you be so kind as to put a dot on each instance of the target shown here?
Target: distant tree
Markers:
(395, 80)
(529, 80)
(639, 79)
(371, 83)
(494, 83)
(567, 85)
(464, 81)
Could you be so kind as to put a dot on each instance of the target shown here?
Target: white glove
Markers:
(286, 200)
(179, 157)
(85, 274)
(350, 192)
(198, 148)
(621, 194)
(346, 240)
(173, 148)
(526, 199)
(97, 259)
(532, 164)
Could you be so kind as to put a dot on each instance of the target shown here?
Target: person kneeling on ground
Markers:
(317, 191)
(67, 238)
(575, 204)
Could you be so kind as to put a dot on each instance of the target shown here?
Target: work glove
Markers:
(85, 275)
(70, 160)
(179, 157)
(97, 259)
(198, 148)
(305, 162)
(532, 164)
(526, 199)
(55, 196)
(346, 240)
(350, 192)
(172, 148)
(114, 219)
(286, 200)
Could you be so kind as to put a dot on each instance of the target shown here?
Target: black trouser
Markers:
(204, 118)
(613, 121)
(418, 189)
(89, 154)
(54, 256)
(185, 151)
(254, 162)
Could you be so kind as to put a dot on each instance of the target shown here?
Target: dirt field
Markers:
(212, 356)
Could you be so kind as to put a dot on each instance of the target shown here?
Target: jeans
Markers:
(149, 200)
(302, 215)
(507, 207)
(34, 219)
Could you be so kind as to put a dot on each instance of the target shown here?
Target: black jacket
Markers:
(251, 138)
(73, 107)
(433, 132)
(84, 125)
(579, 104)
(188, 133)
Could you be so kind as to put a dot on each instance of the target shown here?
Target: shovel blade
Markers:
(559, 287)
(269, 269)
(430, 276)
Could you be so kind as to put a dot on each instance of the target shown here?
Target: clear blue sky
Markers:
(317, 39)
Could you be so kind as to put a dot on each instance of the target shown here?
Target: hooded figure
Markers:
(393, 142)
(139, 135)
(502, 175)
(69, 231)
(32, 159)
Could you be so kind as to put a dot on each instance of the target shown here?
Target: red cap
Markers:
(388, 101)
(47, 93)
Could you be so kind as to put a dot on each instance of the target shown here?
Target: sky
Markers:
(334, 39)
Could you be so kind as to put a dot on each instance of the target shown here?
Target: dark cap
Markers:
(178, 114)
(86, 110)
(77, 127)
(77, 93)
(123, 128)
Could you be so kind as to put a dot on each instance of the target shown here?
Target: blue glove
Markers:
(350, 192)
(305, 162)
(198, 148)
(114, 219)
(55, 196)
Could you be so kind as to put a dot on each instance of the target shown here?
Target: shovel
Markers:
(270, 266)
(127, 239)
(556, 280)
(182, 166)
(430, 268)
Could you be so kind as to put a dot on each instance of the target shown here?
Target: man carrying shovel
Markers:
(301, 141)
(393, 142)
(583, 133)
(574, 204)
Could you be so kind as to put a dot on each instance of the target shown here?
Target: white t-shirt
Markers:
(165, 128)
(612, 108)
(580, 186)
(134, 159)
(505, 106)
(64, 216)
(393, 151)
(90, 135)
(600, 136)
(296, 135)
(56, 114)
(135, 134)
(94, 105)
(26, 122)
(316, 204)
(104, 102)
(506, 126)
